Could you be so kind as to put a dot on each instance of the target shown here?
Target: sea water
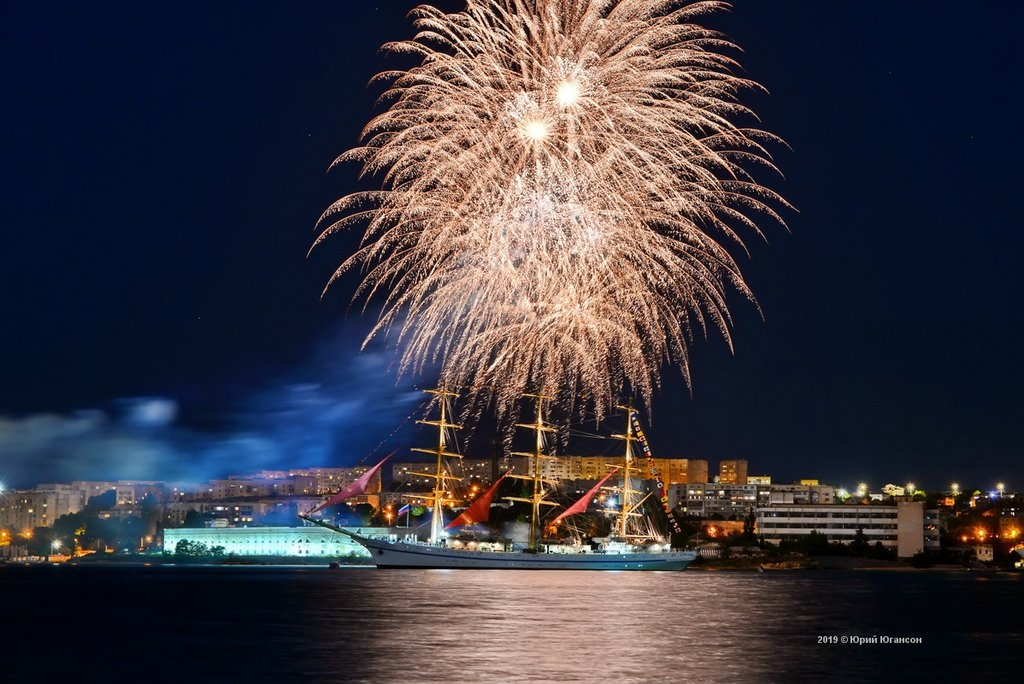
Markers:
(273, 624)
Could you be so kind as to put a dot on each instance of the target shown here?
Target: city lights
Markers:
(862, 489)
(955, 489)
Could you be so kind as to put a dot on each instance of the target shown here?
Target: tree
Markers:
(190, 549)
(748, 527)
(133, 529)
(364, 512)
(101, 502)
(815, 544)
(879, 552)
(39, 543)
(195, 519)
(860, 545)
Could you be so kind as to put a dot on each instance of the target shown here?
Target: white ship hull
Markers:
(392, 554)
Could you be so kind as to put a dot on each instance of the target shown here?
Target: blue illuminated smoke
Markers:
(333, 411)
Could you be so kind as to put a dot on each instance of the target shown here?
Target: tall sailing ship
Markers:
(631, 545)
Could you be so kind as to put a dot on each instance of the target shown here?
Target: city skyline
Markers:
(168, 169)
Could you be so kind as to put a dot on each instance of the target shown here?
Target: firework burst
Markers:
(559, 179)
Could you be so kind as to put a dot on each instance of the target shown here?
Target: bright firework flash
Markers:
(559, 177)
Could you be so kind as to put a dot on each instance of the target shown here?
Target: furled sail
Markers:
(584, 501)
(355, 489)
(479, 510)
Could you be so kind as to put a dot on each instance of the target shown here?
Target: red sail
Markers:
(355, 489)
(582, 504)
(479, 510)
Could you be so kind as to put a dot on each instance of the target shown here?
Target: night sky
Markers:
(165, 164)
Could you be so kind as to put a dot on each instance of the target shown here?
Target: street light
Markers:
(955, 489)
(1000, 487)
(862, 489)
(911, 489)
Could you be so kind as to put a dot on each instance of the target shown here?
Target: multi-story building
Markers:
(40, 507)
(309, 542)
(785, 494)
(479, 469)
(242, 512)
(24, 510)
(412, 475)
(715, 498)
(732, 472)
(670, 470)
(907, 527)
(91, 488)
(329, 480)
(239, 486)
(134, 493)
(693, 470)
(179, 491)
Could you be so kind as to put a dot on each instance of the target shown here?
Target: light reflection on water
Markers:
(643, 627)
(313, 624)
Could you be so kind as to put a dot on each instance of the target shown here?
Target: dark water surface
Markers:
(230, 624)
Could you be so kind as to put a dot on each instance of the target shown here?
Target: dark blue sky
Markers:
(164, 166)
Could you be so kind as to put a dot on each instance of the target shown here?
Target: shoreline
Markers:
(705, 566)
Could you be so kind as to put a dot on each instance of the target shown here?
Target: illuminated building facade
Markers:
(134, 493)
(732, 472)
(40, 507)
(404, 474)
(305, 542)
(593, 468)
(786, 494)
(907, 527)
(715, 498)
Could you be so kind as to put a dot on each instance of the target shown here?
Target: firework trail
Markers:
(558, 180)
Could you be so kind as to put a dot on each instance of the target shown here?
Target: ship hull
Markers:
(389, 554)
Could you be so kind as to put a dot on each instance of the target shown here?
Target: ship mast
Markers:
(534, 475)
(440, 476)
(629, 495)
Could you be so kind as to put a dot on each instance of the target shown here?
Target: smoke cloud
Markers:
(332, 412)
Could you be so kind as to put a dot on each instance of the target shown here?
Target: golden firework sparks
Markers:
(558, 180)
